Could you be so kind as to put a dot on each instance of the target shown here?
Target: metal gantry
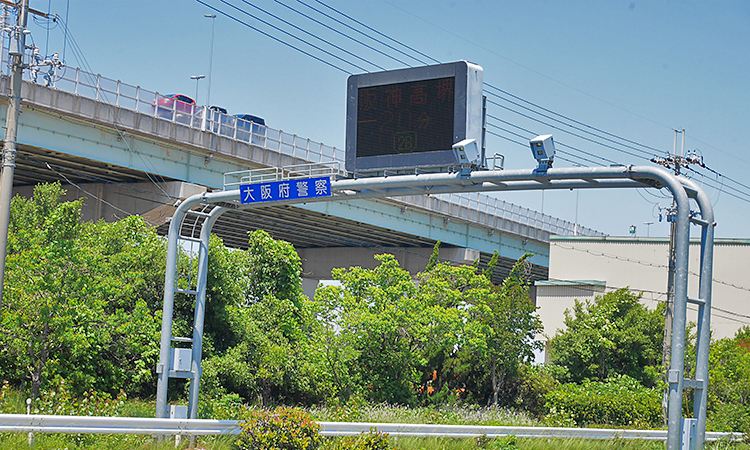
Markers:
(172, 366)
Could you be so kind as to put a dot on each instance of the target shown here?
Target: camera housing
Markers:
(543, 148)
(467, 153)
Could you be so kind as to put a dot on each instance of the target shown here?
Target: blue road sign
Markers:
(285, 190)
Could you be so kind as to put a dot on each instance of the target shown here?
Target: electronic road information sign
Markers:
(285, 190)
(411, 118)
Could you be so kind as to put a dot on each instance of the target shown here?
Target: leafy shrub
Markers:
(374, 440)
(613, 335)
(503, 443)
(60, 401)
(730, 417)
(535, 382)
(729, 387)
(282, 429)
(346, 410)
(225, 407)
(619, 401)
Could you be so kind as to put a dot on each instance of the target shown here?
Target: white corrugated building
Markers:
(584, 267)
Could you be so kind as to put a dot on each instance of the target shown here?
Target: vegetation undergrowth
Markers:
(293, 429)
(356, 410)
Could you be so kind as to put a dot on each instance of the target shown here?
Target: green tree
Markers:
(127, 264)
(379, 316)
(74, 306)
(613, 335)
(400, 338)
(260, 326)
(48, 304)
(447, 293)
(729, 386)
(384, 331)
(508, 324)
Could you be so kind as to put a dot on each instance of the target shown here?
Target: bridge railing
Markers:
(135, 98)
(529, 223)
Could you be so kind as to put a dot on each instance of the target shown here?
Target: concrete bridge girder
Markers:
(449, 230)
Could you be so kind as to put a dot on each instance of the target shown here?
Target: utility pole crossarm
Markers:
(32, 11)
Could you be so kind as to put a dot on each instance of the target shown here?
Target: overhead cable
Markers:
(374, 31)
(335, 31)
(291, 35)
(229, 16)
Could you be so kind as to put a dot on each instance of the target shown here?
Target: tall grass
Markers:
(449, 415)
(104, 442)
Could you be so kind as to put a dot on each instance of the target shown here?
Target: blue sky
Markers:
(635, 69)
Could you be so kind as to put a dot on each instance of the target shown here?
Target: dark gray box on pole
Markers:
(410, 118)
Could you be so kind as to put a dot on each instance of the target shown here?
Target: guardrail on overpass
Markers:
(22, 423)
(477, 208)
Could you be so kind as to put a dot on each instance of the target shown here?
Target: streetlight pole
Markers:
(197, 79)
(17, 48)
(648, 228)
(210, 56)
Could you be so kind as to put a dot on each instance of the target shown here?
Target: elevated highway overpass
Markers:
(105, 141)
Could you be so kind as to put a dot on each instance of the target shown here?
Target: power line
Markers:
(572, 120)
(612, 141)
(557, 143)
(724, 176)
(363, 34)
(314, 36)
(380, 34)
(565, 131)
(745, 196)
(649, 264)
(738, 316)
(526, 144)
(229, 16)
(290, 34)
(568, 125)
(89, 193)
(78, 54)
(94, 178)
(335, 31)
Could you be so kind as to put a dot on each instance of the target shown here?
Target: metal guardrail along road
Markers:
(22, 423)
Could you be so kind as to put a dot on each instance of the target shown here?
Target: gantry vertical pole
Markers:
(200, 310)
(170, 282)
(676, 374)
(704, 317)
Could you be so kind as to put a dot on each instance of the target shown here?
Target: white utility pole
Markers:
(677, 161)
(197, 78)
(648, 228)
(16, 51)
(210, 56)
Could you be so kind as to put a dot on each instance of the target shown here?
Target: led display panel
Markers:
(410, 118)
(405, 117)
